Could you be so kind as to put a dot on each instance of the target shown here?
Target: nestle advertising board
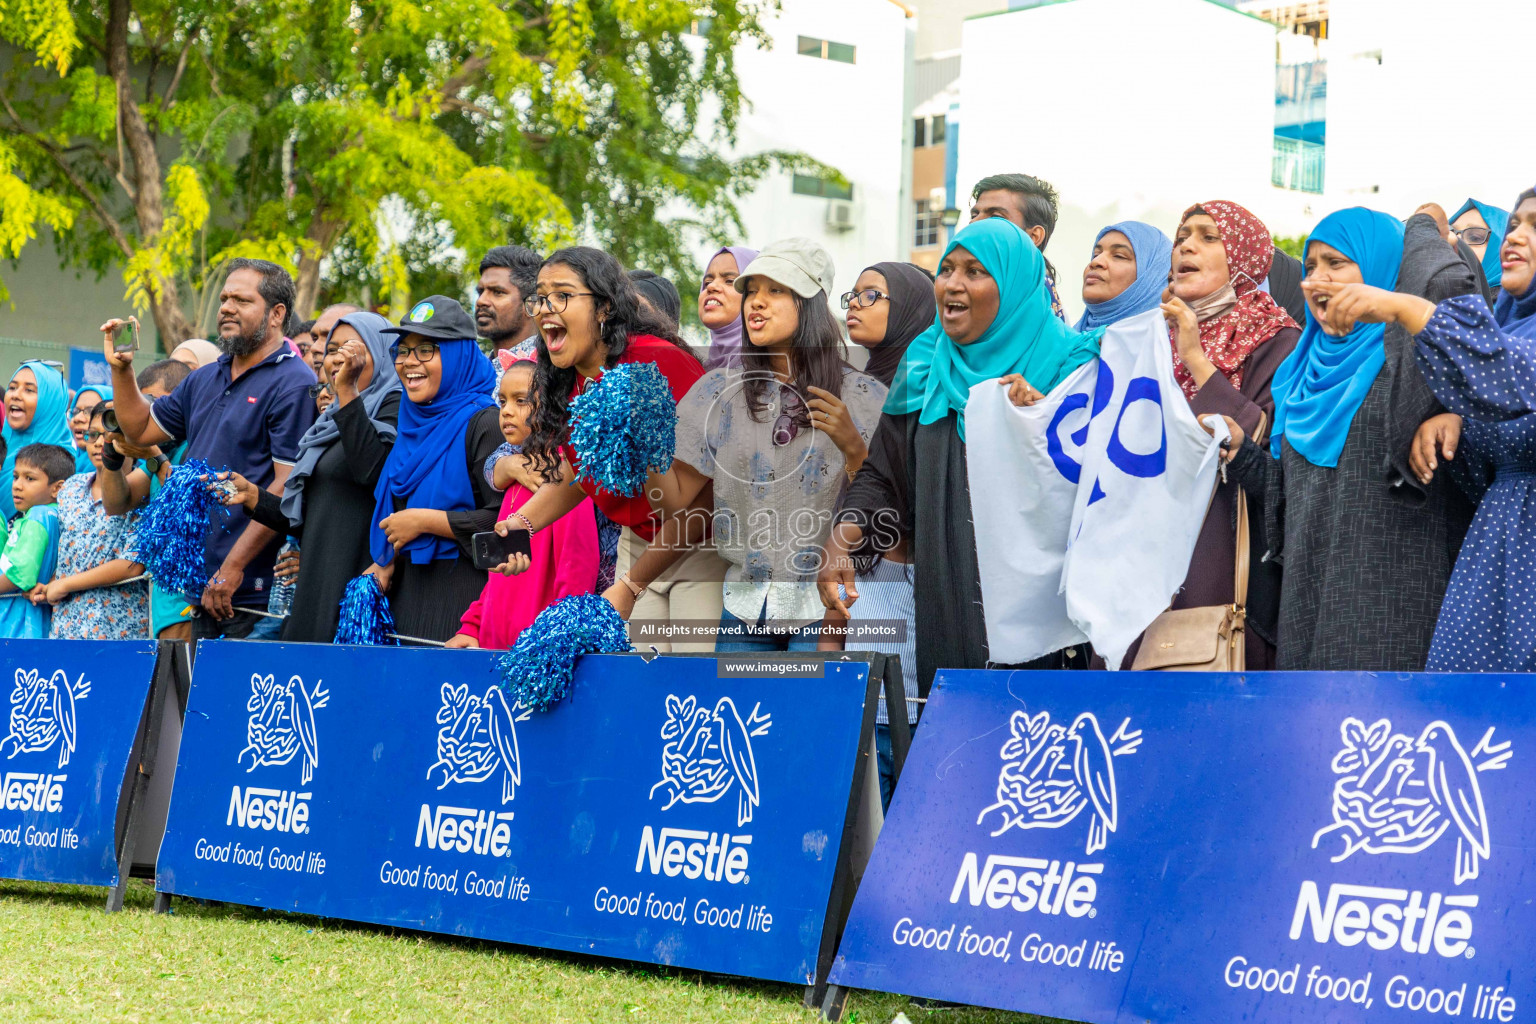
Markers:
(1277, 846)
(73, 710)
(660, 813)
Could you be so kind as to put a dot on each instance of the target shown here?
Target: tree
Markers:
(368, 147)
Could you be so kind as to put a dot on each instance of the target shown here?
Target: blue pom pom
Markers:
(622, 425)
(365, 615)
(537, 671)
(171, 532)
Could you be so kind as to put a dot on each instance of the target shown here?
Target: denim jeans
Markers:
(733, 637)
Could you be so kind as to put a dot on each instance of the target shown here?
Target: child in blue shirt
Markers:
(32, 543)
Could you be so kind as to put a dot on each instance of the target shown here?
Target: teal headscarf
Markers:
(1319, 387)
(936, 376)
(1498, 223)
(83, 458)
(50, 425)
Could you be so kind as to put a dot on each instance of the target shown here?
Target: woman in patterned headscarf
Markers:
(1229, 337)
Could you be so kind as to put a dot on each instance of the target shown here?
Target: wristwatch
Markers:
(153, 463)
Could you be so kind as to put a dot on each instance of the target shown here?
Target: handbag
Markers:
(1212, 638)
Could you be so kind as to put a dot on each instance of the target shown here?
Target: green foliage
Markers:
(377, 148)
(1292, 245)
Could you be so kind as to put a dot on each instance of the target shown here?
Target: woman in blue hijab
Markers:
(1470, 222)
(1367, 546)
(36, 412)
(995, 321)
(79, 417)
(432, 496)
(1126, 274)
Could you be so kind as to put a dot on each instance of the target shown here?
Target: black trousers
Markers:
(206, 627)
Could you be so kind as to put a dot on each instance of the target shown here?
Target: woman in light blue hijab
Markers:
(1126, 274)
(103, 393)
(1497, 222)
(36, 412)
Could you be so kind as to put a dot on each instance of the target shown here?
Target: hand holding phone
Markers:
(492, 549)
(124, 334)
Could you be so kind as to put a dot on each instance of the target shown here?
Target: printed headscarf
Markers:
(50, 425)
(1319, 387)
(911, 313)
(1228, 340)
(324, 432)
(725, 342)
(936, 376)
(1153, 251)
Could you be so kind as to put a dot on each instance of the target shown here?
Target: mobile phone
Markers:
(492, 549)
(125, 336)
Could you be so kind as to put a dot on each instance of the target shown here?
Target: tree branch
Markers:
(169, 100)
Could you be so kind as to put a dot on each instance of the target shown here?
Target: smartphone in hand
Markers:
(492, 549)
(125, 336)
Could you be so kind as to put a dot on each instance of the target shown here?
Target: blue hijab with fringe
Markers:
(1319, 387)
(1498, 223)
(426, 466)
(82, 457)
(50, 425)
(1154, 253)
(936, 375)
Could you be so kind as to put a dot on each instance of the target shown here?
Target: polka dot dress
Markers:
(1488, 375)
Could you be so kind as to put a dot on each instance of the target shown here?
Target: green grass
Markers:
(63, 959)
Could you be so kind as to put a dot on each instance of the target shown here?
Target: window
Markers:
(809, 185)
(936, 132)
(699, 27)
(808, 46)
(919, 132)
(927, 225)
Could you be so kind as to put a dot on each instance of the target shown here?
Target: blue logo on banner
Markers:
(87, 366)
(660, 813)
(74, 709)
(1276, 846)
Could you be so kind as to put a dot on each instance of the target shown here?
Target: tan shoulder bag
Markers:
(1212, 638)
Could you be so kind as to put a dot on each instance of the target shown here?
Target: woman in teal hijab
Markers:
(964, 347)
(1496, 221)
(1319, 387)
(79, 415)
(36, 412)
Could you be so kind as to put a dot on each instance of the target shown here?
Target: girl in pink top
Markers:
(565, 555)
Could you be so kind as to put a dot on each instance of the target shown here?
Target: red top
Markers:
(682, 370)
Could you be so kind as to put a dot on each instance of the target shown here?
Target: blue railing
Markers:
(1298, 165)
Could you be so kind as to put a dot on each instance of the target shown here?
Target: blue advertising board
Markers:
(1117, 847)
(88, 366)
(73, 712)
(660, 813)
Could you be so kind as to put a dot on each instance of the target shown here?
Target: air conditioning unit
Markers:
(840, 215)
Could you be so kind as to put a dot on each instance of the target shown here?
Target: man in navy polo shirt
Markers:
(245, 412)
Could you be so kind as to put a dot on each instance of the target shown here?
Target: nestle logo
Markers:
(694, 853)
(1383, 918)
(1028, 883)
(31, 791)
(270, 810)
(465, 830)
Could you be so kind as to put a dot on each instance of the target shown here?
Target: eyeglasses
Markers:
(1475, 236)
(91, 436)
(422, 350)
(554, 301)
(791, 410)
(863, 299)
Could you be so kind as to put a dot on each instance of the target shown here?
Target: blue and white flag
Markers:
(1088, 504)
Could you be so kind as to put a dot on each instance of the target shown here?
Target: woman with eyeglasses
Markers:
(1482, 228)
(90, 597)
(36, 412)
(776, 438)
(431, 496)
(86, 399)
(590, 320)
(995, 324)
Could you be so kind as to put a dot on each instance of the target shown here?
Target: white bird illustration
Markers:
(282, 723)
(1050, 774)
(709, 751)
(43, 713)
(478, 736)
(1397, 794)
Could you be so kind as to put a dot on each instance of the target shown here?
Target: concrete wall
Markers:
(1133, 109)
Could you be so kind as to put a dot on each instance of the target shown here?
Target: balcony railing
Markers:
(1298, 165)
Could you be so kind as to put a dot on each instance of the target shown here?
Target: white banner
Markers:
(1088, 504)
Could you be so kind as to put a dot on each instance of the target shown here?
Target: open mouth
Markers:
(1187, 268)
(756, 322)
(955, 308)
(415, 380)
(1511, 259)
(713, 303)
(554, 333)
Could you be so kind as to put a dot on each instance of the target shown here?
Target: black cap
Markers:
(439, 317)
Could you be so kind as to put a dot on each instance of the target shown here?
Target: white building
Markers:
(832, 85)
